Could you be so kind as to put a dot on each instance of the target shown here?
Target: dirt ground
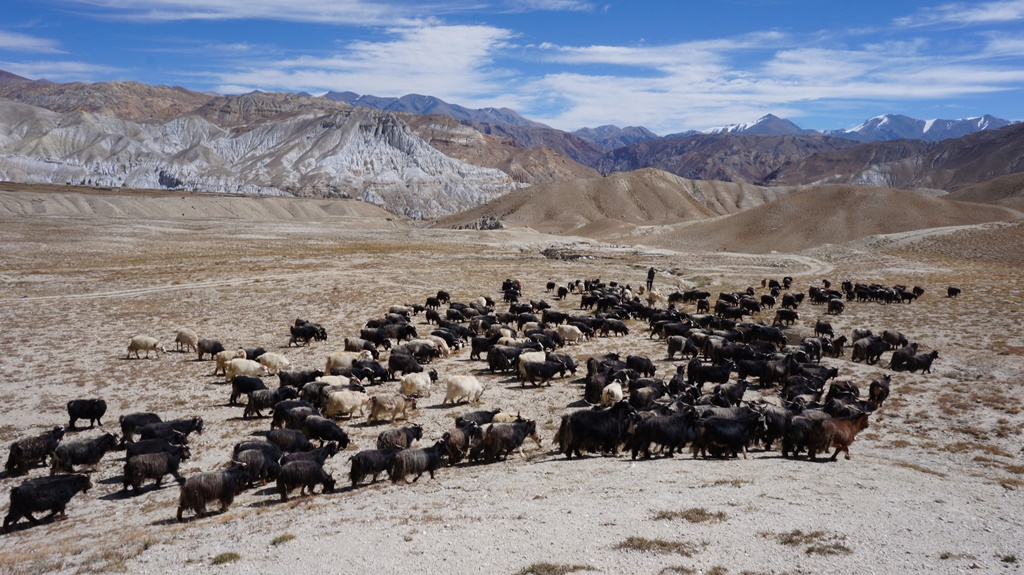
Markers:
(933, 485)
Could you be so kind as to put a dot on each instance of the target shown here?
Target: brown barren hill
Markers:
(948, 165)
(124, 100)
(257, 107)
(833, 214)
(533, 165)
(602, 207)
(1005, 191)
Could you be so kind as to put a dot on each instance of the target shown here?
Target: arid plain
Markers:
(933, 485)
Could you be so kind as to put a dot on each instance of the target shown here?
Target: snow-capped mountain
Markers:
(770, 125)
(898, 127)
(878, 129)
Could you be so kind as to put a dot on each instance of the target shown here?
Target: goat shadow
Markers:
(172, 520)
(24, 523)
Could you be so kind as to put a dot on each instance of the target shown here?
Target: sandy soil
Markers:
(933, 486)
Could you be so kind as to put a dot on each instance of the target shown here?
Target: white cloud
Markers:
(1005, 46)
(673, 56)
(549, 5)
(233, 89)
(351, 12)
(961, 14)
(455, 63)
(24, 43)
(659, 104)
(731, 84)
(667, 88)
(59, 71)
(357, 12)
(233, 48)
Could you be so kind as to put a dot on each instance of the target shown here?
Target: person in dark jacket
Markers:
(650, 279)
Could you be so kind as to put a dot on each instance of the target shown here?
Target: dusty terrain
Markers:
(933, 486)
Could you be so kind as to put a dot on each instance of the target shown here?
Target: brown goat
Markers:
(838, 432)
(460, 440)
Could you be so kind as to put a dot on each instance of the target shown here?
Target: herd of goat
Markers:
(801, 405)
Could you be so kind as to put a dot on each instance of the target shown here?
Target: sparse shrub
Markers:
(283, 538)
(693, 515)
(226, 557)
(552, 569)
(683, 548)
(818, 542)
(677, 569)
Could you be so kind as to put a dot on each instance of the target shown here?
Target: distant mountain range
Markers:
(611, 137)
(896, 127)
(417, 104)
(608, 137)
(420, 156)
(948, 165)
(879, 129)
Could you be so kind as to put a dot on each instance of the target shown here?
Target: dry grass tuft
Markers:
(918, 467)
(1010, 483)
(729, 482)
(677, 569)
(693, 515)
(1015, 469)
(967, 446)
(818, 542)
(683, 548)
(552, 569)
(283, 538)
(226, 557)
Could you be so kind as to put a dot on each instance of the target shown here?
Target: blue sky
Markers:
(669, 65)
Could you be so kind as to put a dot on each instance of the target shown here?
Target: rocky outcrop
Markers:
(536, 165)
(351, 152)
(566, 144)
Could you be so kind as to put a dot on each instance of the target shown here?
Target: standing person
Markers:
(650, 279)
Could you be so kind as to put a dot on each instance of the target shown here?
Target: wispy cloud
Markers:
(396, 47)
(1000, 46)
(671, 56)
(16, 42)
(233, 48)
(450, 62)
(354, 12)
(60, 71)
(549, 5)
(706, 84)
(962, 14)
(349, 12)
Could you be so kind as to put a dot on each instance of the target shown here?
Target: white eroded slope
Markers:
(360, 153)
